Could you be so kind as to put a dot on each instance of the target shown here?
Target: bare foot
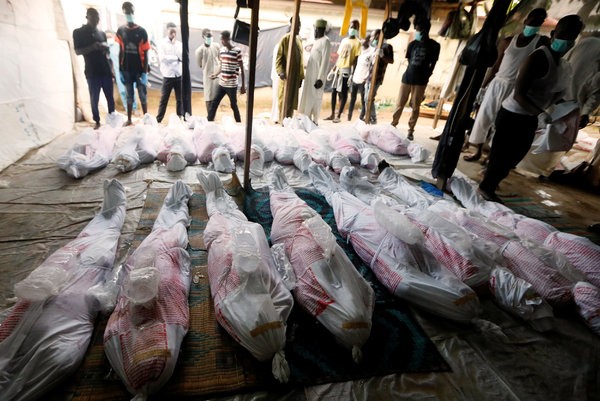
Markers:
(127, 123)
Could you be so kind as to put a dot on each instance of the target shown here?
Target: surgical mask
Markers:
(418, 35)
(129, 18)
(207, 41)
(561, 45)
(529, 31)
(374, 43)
(352, 32)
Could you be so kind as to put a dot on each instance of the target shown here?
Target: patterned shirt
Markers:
(230, 66)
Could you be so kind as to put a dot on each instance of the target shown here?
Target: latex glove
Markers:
(545, 117)
(318, 84)
(144, 78)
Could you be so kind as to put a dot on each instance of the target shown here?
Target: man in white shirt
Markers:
(359, 78)
(207, 57)
(169, 53)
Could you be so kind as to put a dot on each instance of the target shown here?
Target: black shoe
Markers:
(410, 136)
(489, 196)
(328, 118)
(97, 125)
(436, 138)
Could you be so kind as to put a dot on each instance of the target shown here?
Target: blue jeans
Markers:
(140, 79)
(123, 92)
(95, 84)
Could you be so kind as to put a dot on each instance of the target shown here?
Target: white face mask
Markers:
(129, 18)
(207, 41)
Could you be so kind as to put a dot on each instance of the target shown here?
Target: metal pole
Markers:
(186, 83)
(254, 5)
(290, 59)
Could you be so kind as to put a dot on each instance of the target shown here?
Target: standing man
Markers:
(90, 42)
(348, 51)
(207, 57)
(296, 72)
(133, 59)
(316, 73)
(359, 78)
(169, 54)
(114, 50)
(231, 66)
(501, 77)
(386, 56)
(541, 81)
(422, 54)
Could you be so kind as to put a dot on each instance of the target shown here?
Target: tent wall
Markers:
(36, 83)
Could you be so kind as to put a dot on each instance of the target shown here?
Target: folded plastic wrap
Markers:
(464, 190)
(222, 161)
(116, 120)
(285, 145)
(45, 336)
(251, 301)
(140, 148)
(177, 149)
(236, 137)
(337, 161)
(284, 267)
(369, 158)
(314, 148)
(301, 122)
(302, 160)
(587, 299)
(144, 333)
(207, 137)
(346, 146)
(358, 186)
(409, 271)
(385, 137)
(582, 253)
(328, 285)
(417, 153)
(519, 298)
(92, 151)
(400, 188)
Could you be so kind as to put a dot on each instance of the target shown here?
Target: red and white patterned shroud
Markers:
(587, 299)
(583, 254)
(44, 339)
(328, 285)
(144, 333)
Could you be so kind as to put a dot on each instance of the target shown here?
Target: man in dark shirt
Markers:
(133, 59)
(422, 54)
(386, 56)
(90, 42)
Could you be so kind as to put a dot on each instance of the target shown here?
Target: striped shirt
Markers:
(230, 60)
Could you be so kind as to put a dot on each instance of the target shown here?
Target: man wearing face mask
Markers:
(422, 55)
(169, 53)
(541, 81)
(207, 57)
(133, 59)
(502, 75)
(114, 49)
(316, 73)
(348, 52)
(90, 42)
(386, 56)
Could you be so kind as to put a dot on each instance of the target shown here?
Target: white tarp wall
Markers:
(36, 77)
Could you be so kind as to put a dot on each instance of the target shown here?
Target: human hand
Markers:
(318, 84)
(282, 76)
(144, 78)
(214, 76)
(243, 90)
(545, 117)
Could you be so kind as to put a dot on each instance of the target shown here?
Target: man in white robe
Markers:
(207, 57)
(316, 73)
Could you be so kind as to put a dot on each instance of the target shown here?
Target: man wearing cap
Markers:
(207, 57)
(296, 72)
(316, 73)
(170, 53)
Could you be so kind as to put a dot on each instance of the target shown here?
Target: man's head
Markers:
(536, 17)
(375, 37)
(354, 26)
(128, 8)
(320, 27)
(171, 31)
(92, 17)
(566, 31)
(422, 29)
(297, 25)
(226, 38)
(207, 37)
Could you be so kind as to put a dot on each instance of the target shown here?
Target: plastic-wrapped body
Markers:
(337, 161)
(327, 284)
(385, 137)
(177, 150)
(345, 146)
(251, 301)
(92, 151)
(140, 148)
(583, 254)
(207, 137)
(144, 334)
(46, 334)
(587, 299)
(404, 266)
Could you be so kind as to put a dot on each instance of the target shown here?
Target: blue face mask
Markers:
(561, 45)
(529, 31)
(207, 41)
(374, 43)
(352, 32)
(418, 35)
(129, 18)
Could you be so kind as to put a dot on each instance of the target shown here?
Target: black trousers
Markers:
(357, 88)
(513, 138)
(232, 95)
(168, 85)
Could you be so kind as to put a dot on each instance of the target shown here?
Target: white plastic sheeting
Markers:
(36, 86)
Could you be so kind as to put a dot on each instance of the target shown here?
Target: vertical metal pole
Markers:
(255, 5)
(186, 82)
